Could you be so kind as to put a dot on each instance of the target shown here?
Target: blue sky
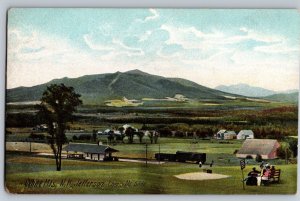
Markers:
(210, 47)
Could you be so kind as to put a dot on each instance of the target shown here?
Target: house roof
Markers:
(246, 132)
(258, 146)
(221, 131)
(89, 148)
(230, 133)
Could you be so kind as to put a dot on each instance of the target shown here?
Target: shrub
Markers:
(258, 158)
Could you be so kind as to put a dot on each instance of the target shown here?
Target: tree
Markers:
(140, 135)
(129, 132)
(156, 135)
(293, 145)
(122, 136)
(94, 135)
(56, 108)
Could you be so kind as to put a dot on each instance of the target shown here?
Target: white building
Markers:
(225, 135)
(245, 134)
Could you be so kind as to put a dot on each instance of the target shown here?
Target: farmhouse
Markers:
(264, 147)
(225, 135)
(245, 134)
(89, 151)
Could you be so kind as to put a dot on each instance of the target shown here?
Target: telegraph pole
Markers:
(146, 155)
(158, 153)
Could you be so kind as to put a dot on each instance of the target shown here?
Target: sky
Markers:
(209, 47)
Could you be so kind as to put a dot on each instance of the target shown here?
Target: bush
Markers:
(75, 137)
(258, 158)
(249, 157)
(235, 151)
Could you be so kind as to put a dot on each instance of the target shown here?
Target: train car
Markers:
(182, 156)
(164, 156)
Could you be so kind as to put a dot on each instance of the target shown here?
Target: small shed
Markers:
(89, 151)
(225, 135)
(265, 147)
(229, 135)
(245, 134)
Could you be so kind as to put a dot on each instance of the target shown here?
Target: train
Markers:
(182, 156)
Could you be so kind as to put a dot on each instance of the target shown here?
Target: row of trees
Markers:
(112, 137)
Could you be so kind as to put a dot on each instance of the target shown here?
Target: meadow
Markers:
(27, 174)
(26, 171)
(31, 173)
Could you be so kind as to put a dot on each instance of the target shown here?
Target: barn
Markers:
(265, 147)
(245, 134)
(89, 151)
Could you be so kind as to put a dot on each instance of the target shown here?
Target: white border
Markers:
(5, 4)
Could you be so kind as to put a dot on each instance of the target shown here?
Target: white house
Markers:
(220, 134)
(245, 134)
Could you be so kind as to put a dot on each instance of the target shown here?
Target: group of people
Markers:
(256, 177)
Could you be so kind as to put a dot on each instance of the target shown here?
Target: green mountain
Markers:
(135, 84)
(283, 97)
(246, 90)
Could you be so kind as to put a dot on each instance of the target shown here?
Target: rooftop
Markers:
(89, 148)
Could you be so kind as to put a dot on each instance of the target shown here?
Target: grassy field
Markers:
(134, 178)
(130, 178)
(28, 173)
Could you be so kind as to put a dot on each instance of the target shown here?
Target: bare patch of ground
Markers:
(200, 176)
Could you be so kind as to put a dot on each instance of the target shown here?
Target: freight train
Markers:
(182, 156)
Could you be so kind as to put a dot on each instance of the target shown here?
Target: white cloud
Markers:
(276, 48)
(114, 47)
(88, 40)
(154, 15)
(193, 38)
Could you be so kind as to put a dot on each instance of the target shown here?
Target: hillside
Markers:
(135, 84)
(282, 97)
(246, 90)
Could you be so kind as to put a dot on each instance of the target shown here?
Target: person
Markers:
(211, 164)
(266, 175)
(254, 172)
(200, 164)
(251, 180)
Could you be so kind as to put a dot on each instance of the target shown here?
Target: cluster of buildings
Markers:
(230, 135)
(116, 132)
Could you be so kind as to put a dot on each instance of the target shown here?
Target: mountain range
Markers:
(133, 84)
(251, 91)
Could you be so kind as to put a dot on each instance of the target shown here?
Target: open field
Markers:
(130, 178)
(30, 173)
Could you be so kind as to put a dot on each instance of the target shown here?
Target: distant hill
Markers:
(135, 84)
(251, 91)
(284, 97)
(245, 90)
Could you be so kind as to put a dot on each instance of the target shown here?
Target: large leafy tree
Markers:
(129, 132)
(56, 108)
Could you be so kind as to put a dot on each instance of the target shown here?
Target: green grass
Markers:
(134, 178)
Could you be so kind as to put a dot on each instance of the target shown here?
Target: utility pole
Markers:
(158, 153)
(146, 155)
(30, 146)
